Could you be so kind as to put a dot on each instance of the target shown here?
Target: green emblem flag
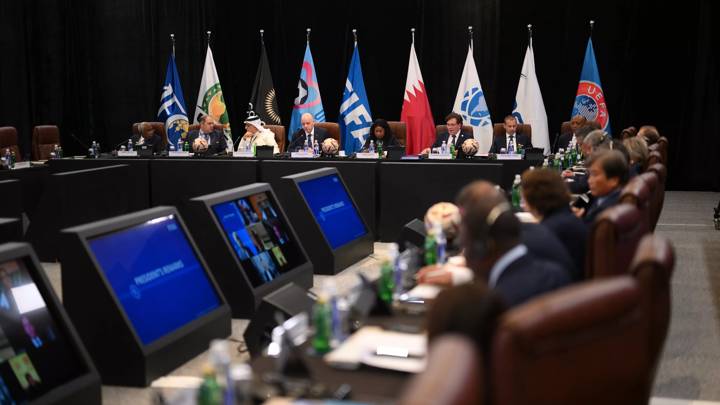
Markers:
(210, 98)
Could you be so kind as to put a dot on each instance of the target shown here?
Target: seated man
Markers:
(256, 134)
(147, 136)
(454, 135)
(576, 123)
(207, 140)
(511, 139)
(608, 173)
(308, 132)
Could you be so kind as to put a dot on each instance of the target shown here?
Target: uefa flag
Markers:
(210, 98)
(470, 103)
(355, 116)
(172, 105)
(529, 105)
(308, 99)
(416, 112)
(590, 99)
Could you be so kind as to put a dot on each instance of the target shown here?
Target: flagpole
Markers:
(262, 37)
(592, 25)
(172, 41)
(412, 32)
(470, 34)
(529, 27)
(307, 35)
(354, 31)
(208, 37)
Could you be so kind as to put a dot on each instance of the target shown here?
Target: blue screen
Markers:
(333, 209)
(156, 276)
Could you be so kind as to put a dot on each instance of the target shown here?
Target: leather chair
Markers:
(453, 375)
(159, 128)
(332, 128)
(661, 172)
(525, 129)
(280, 136)
(565, 128)
(44, 140)
(639, 191)
(9, 140)
(655, 203)
(193, 127)
(399, 129)
(655, 157)
(584, 344)
(663, 145)
(653, 267)
(612, 241)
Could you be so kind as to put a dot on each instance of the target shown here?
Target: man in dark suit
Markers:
(563, 141)
(608, 173)
(307, 132)
(491, 239)
(454, 135)
(147, 136)
(207, 140)
(511, 139)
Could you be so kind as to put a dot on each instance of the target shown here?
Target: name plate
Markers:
(366, 155)
(509, 156)
(440, 156)
(22, 165)
(298, 155)
(179, 153)
(127, 153)
(243, 154)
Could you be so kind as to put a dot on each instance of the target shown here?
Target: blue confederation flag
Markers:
(355, 116)
(308, 99)
(172, 105)
(590, 99)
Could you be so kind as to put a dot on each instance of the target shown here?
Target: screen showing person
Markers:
(333, 209)
(156, 275)
(35, 353)
(259, 237)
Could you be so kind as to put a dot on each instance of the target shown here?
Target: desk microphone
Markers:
(72, 135)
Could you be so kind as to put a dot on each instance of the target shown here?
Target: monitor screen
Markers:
(156, 275)
(35, 353)
(333, 209)
(259, 236)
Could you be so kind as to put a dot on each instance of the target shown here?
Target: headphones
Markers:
(485, 242)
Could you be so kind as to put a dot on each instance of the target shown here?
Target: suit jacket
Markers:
(500, 142)
(387, 141)
(528, 277)
(545, 245)
(459, 139)
(563, 141)
(217, 144)
(572, 233)
(298, 138)
(596, 207)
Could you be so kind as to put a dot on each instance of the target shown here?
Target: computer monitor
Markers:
(140, 294)
(42, 359)
(326, 216)
(249, 244)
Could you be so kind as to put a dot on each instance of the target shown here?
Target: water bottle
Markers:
(403, 280)
(209, 392)
(186, 146)
(321, 322)
(386, 284)
(316, 148)
(371, 148)
(545, 163)
(430, 248)
(516, 192)
(180, 144)
(380, 149)
(13, 159)
(557, 164)
(60, 152)
(510, 148)
(452, 150)
(440, 243)
(241, 379)
(306, 146)
(97, 149)
(129, 145)
(443, 148)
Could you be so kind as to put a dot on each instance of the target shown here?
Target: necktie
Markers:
(452, 140)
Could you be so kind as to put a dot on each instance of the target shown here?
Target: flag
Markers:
(263, 94)
(416, 112)
(172, 105)
(355, 116)
(529, 107)
(470, 104)
(308, 99)
(590, 99)
(210, 98)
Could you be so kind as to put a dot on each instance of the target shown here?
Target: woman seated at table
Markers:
(380, 134)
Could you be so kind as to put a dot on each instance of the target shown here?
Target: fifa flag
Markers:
(172, 105)
(355, 116)
(590, 99)
(308, 99)
(416, 112)
(210, 98)
(529, 106)
(470, 104)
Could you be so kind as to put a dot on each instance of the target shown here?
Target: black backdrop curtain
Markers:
(93, 67)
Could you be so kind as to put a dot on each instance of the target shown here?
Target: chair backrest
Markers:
(565, 128)
(612, 241)
(9, 140)
(399, 130)
(525, 129)
(453, 375)
(655, 203)
(333, 129)
(661, 172)
(584, 344)
(653, 267)
(195, 127)
(280, 136)
(663, 144)
(159, 128)
(44, 139)
(441, 129)
(639, 193)
(655, 157)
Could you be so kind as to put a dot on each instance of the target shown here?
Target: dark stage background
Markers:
(95, 66)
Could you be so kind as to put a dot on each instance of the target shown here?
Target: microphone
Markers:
(554, 147)
(83, 144)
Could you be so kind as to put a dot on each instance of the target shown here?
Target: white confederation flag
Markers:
(470, 103)
(210, 98)
(529, 106)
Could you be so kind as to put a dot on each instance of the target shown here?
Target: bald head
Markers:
(308, 122)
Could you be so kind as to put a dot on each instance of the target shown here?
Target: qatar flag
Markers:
(416, 110)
